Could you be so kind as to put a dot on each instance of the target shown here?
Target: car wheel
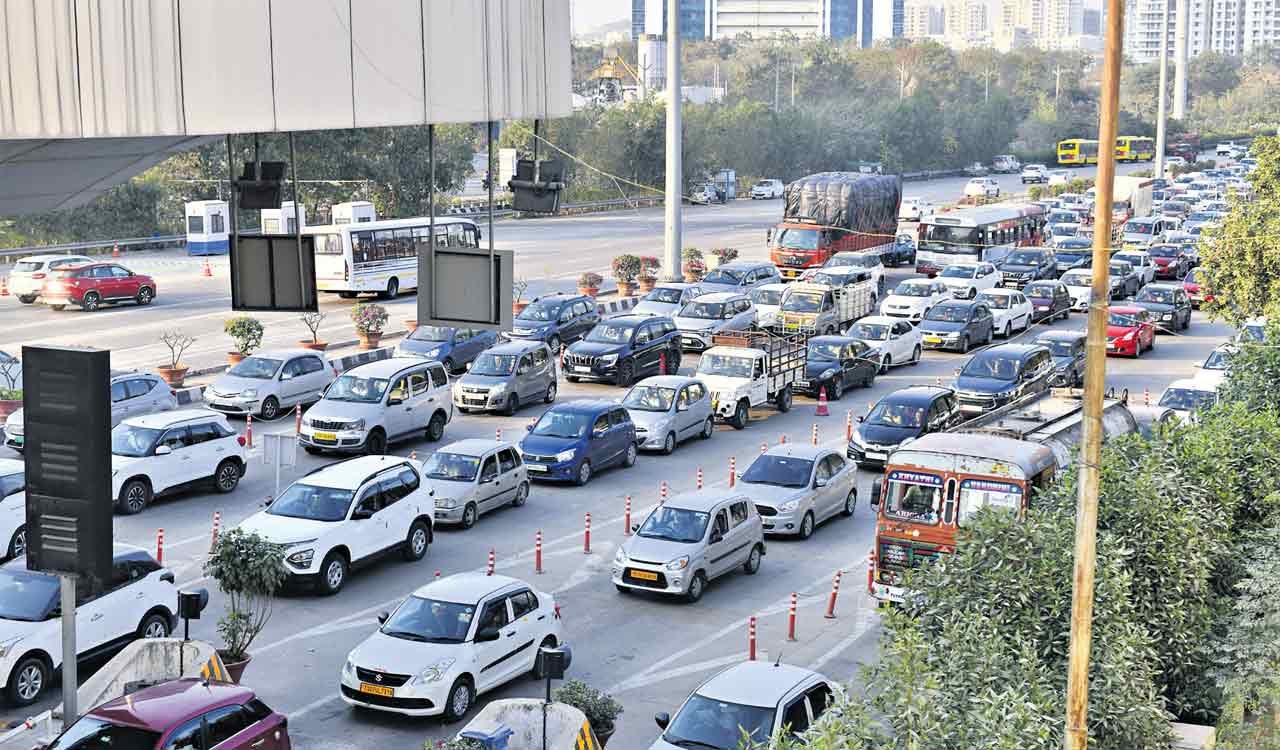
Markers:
(572, 378)
(522, 495)
(154, 625)
(145, 295)
(393, 289)
(435, 428)
(512, 405)
(915, 355)
(27, 681)
(584, 472)
(376, 443)
(333, 573)
(554, 343)
(469, 515)
(626, 374)
(415, 545)
(870, 379)
(18, 544)
(629, 459)
(459, 701)
(739, 420)
(1008, 329)
(964, 344)
(837, 389)
(550, 395)
(449, 366)
(708, 429)
(850, 502)
(26, 299)
(135, 496)
(784, 399)
(673, 362)
(669, 445)
(91, 301)
(886, 363)
(973, 292)
(227, 476)
(697, 586)
(806, 525)
(270, 408)
(752, 565)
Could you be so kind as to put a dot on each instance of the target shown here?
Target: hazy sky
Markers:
(588, 14)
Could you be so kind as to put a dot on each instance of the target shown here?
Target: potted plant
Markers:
(600, 708)
(626, 269)
(589, 283)
(246, 331)
(649, 269)
(694, 265)
(249, 570)
(518, 288)
(178, 342)
(10, 386)
(720, 256)
(370, 319)
(312, 321)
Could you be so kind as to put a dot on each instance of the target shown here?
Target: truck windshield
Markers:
(798, 239)
(913, 502)
(803, 302)
(703, 310)
(728, 365)
(762, 296)
(976, 494)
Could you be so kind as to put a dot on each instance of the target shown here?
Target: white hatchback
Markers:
(965, 280)
(766, 189)
(13, 508)
(914, 298)
(982, 187)
(448, 642)
(161, 454)
(896, 340)
(270, 382)
(1010, 310)
(29, 273)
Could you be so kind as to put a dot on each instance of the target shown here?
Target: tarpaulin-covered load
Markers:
(860, 202)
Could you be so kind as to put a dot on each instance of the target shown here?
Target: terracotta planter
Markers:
(8, 407)
(235, 358)
(647, 284)
(692, 277)
(173, 375)
(369, 340)
(518, 307)
(235, 669)
(626, 288)
(590, 291)
(315, 346)
(412, 325)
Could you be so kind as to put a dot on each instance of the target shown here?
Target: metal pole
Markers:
(234, 205)
(493, 177)
(297, 222)
(1077, 734)
(1161, 115)
(424, 261)
(70, 680)
(675, 190)
(1180, 59)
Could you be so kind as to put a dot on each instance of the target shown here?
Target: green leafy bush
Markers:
(246, 331)
(249, 570)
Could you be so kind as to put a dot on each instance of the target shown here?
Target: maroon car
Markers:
(93, 285)
(179, 715)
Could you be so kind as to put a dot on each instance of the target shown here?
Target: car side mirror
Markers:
(596, 435)
(286, 376)
(467, 366)
(682, 407)
(363, 513)
(717, 536)
(383, 617)
(861, 418)
(820, 482)
(528, 427)
(163, 450)
(488, 478)
(487, 634)
(662, 719)
(635, 527)
(394, 401)
(876, 488)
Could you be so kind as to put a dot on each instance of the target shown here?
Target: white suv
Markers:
(448, 642)
(982, 187)
(29, 274)
(132, 394)
(349, 513)
(766, 189)
(138, 603)
(13, 508)
(375, 404)
(1035, 173)
(164, 453)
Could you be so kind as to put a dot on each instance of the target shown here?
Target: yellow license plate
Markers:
(385, 692)
(644, 575)
(326, 436)
(932, 340)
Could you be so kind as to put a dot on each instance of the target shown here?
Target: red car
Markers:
(1130, 330)
(90, 286)
(1193, 287)
(1170, 261)
(187, 713)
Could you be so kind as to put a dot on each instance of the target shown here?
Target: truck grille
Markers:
(580, 360)
(903, 555)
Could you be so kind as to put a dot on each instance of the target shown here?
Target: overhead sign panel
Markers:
(272, 273)
(465, 287)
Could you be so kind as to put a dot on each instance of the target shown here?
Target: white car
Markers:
(1187, 397)
(161, 454)
(982, 187)
(1175, 161)
(13, 508)
(372, 405)
(348, 514)
(28, 274)
(1058, 177)
(766, 189)
(1079, 283)
(768, 301)
(914, 298)
(138, 602)
(1010, 310)
(1210, 373)
(965, 280)
(867, 260)
(895, 340)
(270, 382)
(1254, 329)
(667, 299)
(448, 642)
(1035, 173)
(132, 394)
(1142, 262)
(914, 208)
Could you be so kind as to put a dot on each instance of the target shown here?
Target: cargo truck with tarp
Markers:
(832, 212)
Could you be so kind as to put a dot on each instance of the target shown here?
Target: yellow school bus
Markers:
(1077, 152)
(1135, 148)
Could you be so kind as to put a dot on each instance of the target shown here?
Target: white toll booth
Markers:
(282, 220)
(352, 212)
(208, 228)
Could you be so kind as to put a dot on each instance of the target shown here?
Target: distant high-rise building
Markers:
(1261, 25)
(966, 23)
(650, 17)
(843, 22)
(921, 19)
(1092, 22)
(1050, 24)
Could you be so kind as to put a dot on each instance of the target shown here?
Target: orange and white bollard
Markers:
(207, 271)
(662, 496)
(764, 448)
(497, 434)
(160, 546)
(586, 534)
(699, 480)
(848, 426)
(217, 529)
(751, 638)
(835, 591)
(782, 440)
(791, 617)
(248, 431)
(493, 560)
(871, 572)
(733, 470)
(115, 250)
(537, 552)
(813, 436)
(297, 420)
(626, 518)
(662, 363)
(4, 286)
(437, 577)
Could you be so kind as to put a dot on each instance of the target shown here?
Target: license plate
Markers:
(331, 436)
(581, 368)
(876, 456)
(381, 690)
(535, 467)
(802, 384)
(478, 400)
(932, 340)
(644, 575)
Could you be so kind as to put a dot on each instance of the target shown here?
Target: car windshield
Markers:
(1186, 399)
(728, 365)
(762, 296)
(454, 467)
(430, 621)
(1039, 291)
(562, 424)
(798, 239)
(431, 333)
(1121, 269)
(1024, 259)
(825, 351)
(1122, 319)
(1134, 227)
(1217, 360)
(1200, 216)
(1158, 296)
(871, 331)
(707, 723)
(803, 302)
(948, 314)
(912, 501)
(913, 289)
(674, 525)
(313, 503)
(133, 441)
(1077, 280)
(650, 398)
(357, 389)
(723, 276)
(889, 414)
(258, 368)
(1073, 249)
(854, 261)
(25, 595)
(997, 301)
(92, 733)
(540, 311)
(1135, 260)
(781, 471)
(664, 294)
(1058, 348)
(703, 310)
(1165, 251)
(1058, 230)
(610, 334)
(995, 366)
(494, 364)
(959, 272)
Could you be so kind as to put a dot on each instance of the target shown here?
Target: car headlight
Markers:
(306, 421)
(349, 669)
(446, 503)
(301, 558)
(566, 455)
(355, 425)
(620, 557)
(8, 646)
(435, 672)
(828, 373)
(680, 563)
(609, 359)
(249, 393)
(789, 506)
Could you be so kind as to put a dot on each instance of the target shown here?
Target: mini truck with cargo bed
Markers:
(751, 369)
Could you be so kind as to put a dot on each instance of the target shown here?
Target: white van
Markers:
(1143, 232)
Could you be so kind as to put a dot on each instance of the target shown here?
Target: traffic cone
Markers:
(115, 250)
(4, 286)
(822, 411)
(207, 270)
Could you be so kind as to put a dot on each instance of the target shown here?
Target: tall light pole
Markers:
(1164, 91)
(675, 191)
(1180, 23)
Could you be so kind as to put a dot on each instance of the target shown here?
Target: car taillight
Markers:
(346, 270)
(240, 440)
(37, 276)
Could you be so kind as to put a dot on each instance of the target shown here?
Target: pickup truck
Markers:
(819, 309)
(751, 369)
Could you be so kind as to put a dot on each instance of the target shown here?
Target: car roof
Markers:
(798, 450)
(668, 380)
(387, 368)
(350, 474)
(719, 296)
(703, 500)
(165, 419)
(1169, 285)
(1191, 384)
(467, 588)
(11, 466)
(515, 346)
(675, 285)
(52, 256)
(736, 264)
(879, 320)
(630, 320)
(833, 339)
(772, 285)
(286, 353)
(1031, 458)
(755, 683)
(922, 394)
(966, 303)
(998, 292)
(473, 446)
(556, 297)
(1061, 336)
(159, 707)
(1126, 309)
(1016, 350)
(584, 406)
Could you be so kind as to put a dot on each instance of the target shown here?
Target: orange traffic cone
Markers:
(821, 411)
(207, 270)
(115, 250)
(4, 286)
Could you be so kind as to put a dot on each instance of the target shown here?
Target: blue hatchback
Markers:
(573, 440)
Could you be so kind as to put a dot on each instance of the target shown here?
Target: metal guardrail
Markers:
(71, 247)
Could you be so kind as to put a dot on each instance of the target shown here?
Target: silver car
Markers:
(711, 314)
(795, 487)
(270, 383)
(507, 376)
(688, 540)
(475, 476)
(667, 409)
(740, 276)
(133, 394)
(667, 299)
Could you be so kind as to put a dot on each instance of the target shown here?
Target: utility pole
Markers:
(1180, 59)
(1057, 87)
(1086, 552)
(675, 190)
(1164, 91)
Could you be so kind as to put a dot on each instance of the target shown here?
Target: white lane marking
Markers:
(862, 623)
(655, 677)
(599, 560)
(313, 705)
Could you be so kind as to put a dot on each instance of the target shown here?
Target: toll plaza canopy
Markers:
(93, 92)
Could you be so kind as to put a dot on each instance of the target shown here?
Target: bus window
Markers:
(404, 244)
(361, 246)
(976, 494)
(455, 235)
(217, 225)
(328, 244)
(472, 236)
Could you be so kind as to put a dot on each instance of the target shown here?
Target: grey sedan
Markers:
(667, 409)
(796, 487)
(475, 476)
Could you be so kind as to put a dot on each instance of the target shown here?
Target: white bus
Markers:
(970, 235)
(381, 256)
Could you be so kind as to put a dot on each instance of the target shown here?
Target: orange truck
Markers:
(832, 212)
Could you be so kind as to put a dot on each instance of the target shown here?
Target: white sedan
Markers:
(914, 208)
(1142, 263)
(965, 280)
(1059, 177)
(448, 642)
(982, 187)
(1010, 310)
(896, 340)
(914, 298)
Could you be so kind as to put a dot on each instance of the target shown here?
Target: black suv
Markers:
(625, 348)
(1001, 375)
(903, 415)
(555, 319)
(1027, 264)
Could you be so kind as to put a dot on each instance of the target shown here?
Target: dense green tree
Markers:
(1241, 260)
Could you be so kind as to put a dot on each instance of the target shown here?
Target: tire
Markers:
(550, 396)
(739, 420)
(554, 343)
(393, 289)
(584, 473)
(57, 307)
(837, 389)
(18, 544)
(572, 378)
(1008, 329)
(145, 295)
(513, 403)
(673, 361)
(629, 458)
(90, 302)
(522, 495)
(752, 565)
(964, 345)
(134, 498)
(469, 515)
(915, 356)
(26, 299)
(27, 681)
(154, 625)
(626, 374)
(708, 429)
(435, 428)
(459, 701)
(333, 574)
(784, 399)
(850, 503)
(311, 449)
(417, 542)
(227, 476)
(973, 292)
(669, 445)
(870, 381)
(449, 365)
(270, 408)
(806, 525)
(886, 363)
(697, 587)
(376, 443)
